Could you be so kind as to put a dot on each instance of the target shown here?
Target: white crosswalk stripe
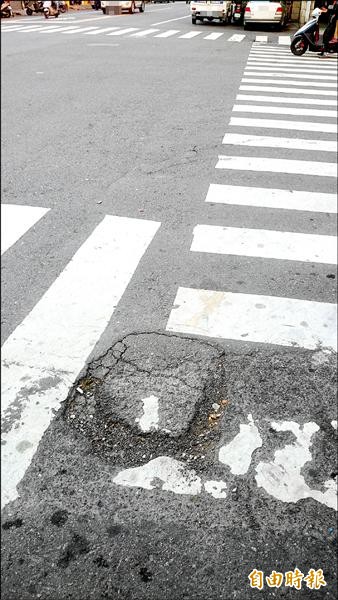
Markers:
(144, 33)
(284, 110)
(282, 245)
(271, 198)
(254, 318)
(213, 36)
(168, 33)
(16, 220)
(130, 32)
(278, 142)
(48, 349)
(277, 165)
(189, 35)
(286, 100)
(287, 90)
(261, 318)
(236, 38)
(283, 124)
(124, 31)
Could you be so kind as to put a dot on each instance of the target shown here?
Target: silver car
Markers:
(267, 12)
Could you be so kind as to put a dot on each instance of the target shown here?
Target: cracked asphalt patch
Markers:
(74, 534)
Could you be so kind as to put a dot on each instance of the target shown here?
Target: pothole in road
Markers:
(152, 395)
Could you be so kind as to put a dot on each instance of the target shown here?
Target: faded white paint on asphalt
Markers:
(237, 453)
(45, 353)
(282, 477)
(150, 417)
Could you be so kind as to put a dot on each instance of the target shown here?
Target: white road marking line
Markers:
(268, 51)
(30, 29)
(67, 28)
(47, 351)
(171, 20)
(254, 318)
(144, 33)
(168, 33)
(14, 28)
(277, 165)
(271, 198)
(237, 453)
(286, 90)
(191, 34)
(294, 71)
(283, 100)
(284, 110)
(213, 36)
(263, 243)
(236, 38)
(104, 30)
(249, 71)
(79, 30)
(16, 220)
(278, 142)
(281, 124)
(259, 60)
(51, 29)
(96, 19)
(123, 31)
(284, 40)
(256, 79)
(261, 38)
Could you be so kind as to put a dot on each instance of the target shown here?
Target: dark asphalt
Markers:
(134, 129)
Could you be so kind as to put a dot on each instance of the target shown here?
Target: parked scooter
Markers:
(308, 38)
(31, 7)
(50, 9)
(6, 10)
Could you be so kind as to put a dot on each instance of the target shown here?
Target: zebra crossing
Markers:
(65, 27)
(45, 353)
(263, 318)
(70, 26)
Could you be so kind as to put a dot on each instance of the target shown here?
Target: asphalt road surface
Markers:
(168, 311)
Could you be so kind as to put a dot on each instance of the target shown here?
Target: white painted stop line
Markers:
(43, 356)
(271, 198)
(16, 220)
(263, 243)
(254, 318)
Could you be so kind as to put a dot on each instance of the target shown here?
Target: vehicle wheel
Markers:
(29, 11)
(246, 26)
(193, 20)
(142, 7)
(104, 10)
(210, 19)
(299, 46)
(132, 9)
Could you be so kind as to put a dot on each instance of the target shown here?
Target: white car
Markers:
(128, 6)
(210, 11)
(267, 12)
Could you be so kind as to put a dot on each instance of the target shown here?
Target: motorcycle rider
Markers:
(330, 30)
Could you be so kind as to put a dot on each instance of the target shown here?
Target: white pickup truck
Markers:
(210, 11)
(125, 6)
